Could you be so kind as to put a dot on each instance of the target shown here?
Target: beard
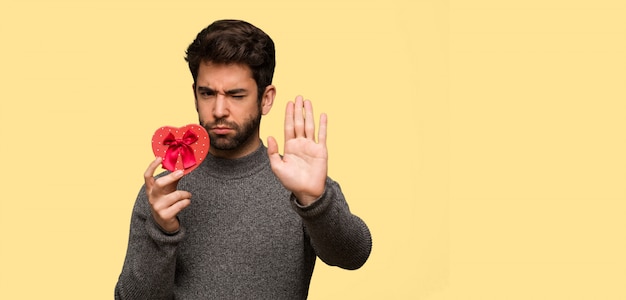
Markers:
(242, 136)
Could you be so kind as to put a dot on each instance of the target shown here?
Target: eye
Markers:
(206, 94)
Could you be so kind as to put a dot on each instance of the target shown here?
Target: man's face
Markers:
(228, 108)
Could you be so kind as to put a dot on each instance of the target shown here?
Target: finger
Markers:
(172, 211)
(309, 122)
(298, 118)
(321, 135)
(179, 206)
(168, 180)
(165, 202)
(149, 174)
(289, 131)
(272, 152)
(272, 146)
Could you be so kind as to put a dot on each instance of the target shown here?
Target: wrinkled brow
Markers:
(208, 90)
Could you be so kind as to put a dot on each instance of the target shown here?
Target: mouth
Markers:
(221, 130)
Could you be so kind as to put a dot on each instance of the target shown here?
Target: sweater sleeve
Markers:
(150, 264)
(338, 237)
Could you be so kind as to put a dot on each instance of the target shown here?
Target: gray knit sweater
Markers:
(244, 236)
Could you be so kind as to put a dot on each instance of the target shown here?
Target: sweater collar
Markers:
(235, 168)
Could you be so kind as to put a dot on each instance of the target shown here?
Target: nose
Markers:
(220, 109)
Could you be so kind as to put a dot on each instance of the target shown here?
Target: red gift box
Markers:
(181, 148)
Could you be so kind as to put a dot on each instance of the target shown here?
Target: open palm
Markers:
(304, 166)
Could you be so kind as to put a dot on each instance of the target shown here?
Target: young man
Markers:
(248, 223)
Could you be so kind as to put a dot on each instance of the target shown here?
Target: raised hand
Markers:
(304, 165)
(165, 200)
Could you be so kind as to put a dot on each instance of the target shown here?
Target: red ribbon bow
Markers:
(179, 147)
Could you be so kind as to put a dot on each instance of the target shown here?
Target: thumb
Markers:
(272, 151)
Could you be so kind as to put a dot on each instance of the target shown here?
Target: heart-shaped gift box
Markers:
(181, 148)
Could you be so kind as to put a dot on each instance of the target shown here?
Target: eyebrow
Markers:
(229, 92)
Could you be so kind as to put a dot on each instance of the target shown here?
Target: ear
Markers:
(268, 99)
(195, 96)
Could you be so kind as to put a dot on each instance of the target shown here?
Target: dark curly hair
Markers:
(234, 42)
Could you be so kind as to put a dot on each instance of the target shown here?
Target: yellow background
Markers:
(484, 142)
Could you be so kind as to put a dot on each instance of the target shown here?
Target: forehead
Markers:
(224, 75)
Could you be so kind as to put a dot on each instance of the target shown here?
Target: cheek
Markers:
(204, 113)
(203, 107)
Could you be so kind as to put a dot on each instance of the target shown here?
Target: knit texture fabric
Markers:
(244, 236)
